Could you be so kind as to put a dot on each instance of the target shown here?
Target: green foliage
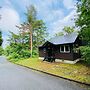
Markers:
(8, 50)
(39, 32)
(13, 38)
(85, 52)
(1, 51)
(83, 20)
(20, 43)
(1, 40)
(17, 51)
(38, 28)
(25, 53)
(59, 34)
(68, 30)
(35, 53)
(31, 14)
(14, 55)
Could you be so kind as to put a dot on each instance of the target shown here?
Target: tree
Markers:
(17, 48)
(29, 25)
(83, 20)
(85, 51)
(68, 30)
(39, 33)
(37, 28)
(31, 33)
(31, 14)
(0, 15)
(59, 34)
(1, 51)
(13, 38)
(1, 40)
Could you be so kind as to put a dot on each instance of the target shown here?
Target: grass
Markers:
(78, 71)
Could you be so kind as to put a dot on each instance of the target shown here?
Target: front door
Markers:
(49, 51)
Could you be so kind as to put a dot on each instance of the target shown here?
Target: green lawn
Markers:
(77, 71)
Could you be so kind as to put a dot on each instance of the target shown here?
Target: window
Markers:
(65, 49)
(62, 49)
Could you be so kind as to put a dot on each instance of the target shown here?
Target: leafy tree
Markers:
(85, 51)
(13, 38)
(68, 30)
(37, 29)
(1, 51)
(1, 40)
(20, 45)
(59, 34)
(83, 20)
(39, 33)
(0, 15)
(31, 14)
(17, 48)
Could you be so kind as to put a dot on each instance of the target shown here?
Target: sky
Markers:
(55, 13)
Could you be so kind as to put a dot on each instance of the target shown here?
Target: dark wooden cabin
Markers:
(61, 47)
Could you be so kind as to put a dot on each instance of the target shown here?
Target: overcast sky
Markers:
(55, 13)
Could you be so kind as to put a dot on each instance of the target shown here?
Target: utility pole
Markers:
(26, 27)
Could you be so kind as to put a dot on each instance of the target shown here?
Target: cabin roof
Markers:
(68, 38)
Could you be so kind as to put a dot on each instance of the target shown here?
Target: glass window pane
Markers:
(67, 48)
(62, 48)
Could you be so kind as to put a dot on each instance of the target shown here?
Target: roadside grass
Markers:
(79, 71)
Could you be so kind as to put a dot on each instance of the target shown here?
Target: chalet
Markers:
(61, 48)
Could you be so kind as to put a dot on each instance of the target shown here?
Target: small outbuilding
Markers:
(61, 48)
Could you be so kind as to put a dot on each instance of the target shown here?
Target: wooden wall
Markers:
(59, 55)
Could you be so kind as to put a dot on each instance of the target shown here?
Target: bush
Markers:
(1, 51)
(85, 52)
(25, 53)
(15, 55)
(8, 50)
(34, 53)
(17, 52)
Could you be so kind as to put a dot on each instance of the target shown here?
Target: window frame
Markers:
(61, 49)
(65, 49)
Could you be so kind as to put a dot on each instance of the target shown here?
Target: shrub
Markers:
(17, 52)
(8, 51)
(34, 53)
(1, 51)
(15, 55)
(85, 52)
(25, 53)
